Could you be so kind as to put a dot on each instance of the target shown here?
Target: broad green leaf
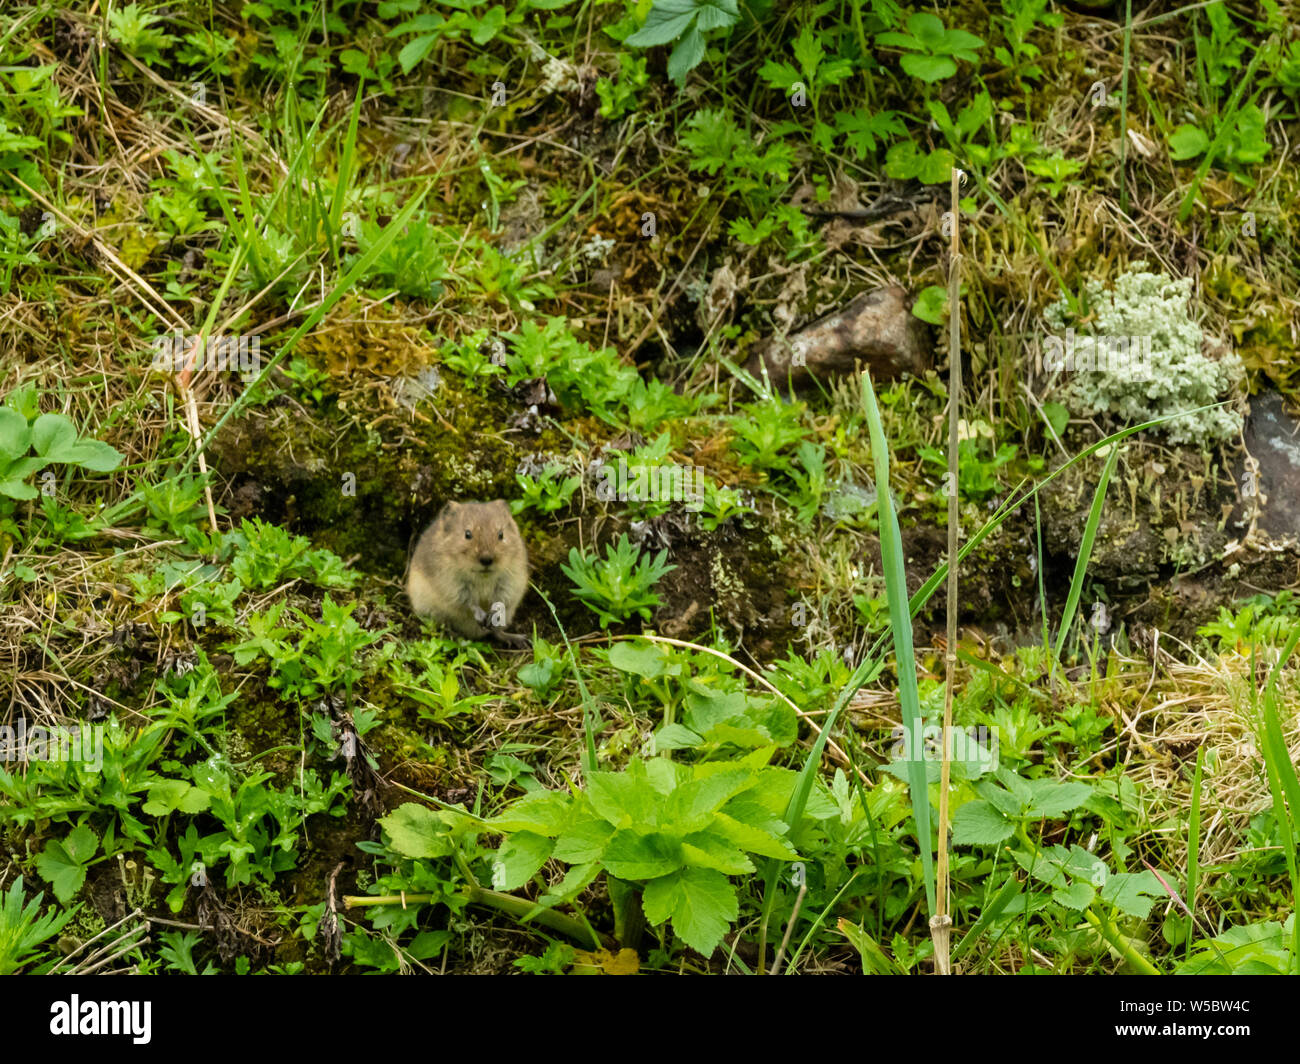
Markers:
(168, 796)
(632, 856)
(1187, 142)
(541, 812)
(667, 21)
(763, 840)
(15, 436)
(686, 56)
(708, 850)
(415, 50)
(519, 859)
(94, 455)
(53, 435)
(1077, 895)
(700, 902)
(625, 798)
(644, 659)
(1133, 893)
(676, 737)
(63, 864)
(928, 68)
(415, 831)
(584, 841)
(978, 823)
(1052, 799)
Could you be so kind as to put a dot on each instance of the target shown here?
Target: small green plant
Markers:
(686, 22)
(324, 658)
(678, 832)
(136, 32)
(30, 441)
(977, 471)
(546, 493)
(23, 930)
(931, 51)
(267, 554)
(766, 430)
(619, 585)
(1261, 619)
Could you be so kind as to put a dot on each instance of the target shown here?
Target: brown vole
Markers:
(469, 570)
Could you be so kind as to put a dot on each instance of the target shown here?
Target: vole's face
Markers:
(479, 533)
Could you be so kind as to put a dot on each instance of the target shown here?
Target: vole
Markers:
(469, 570)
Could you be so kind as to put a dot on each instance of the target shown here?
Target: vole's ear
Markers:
(447, 513)
(502, 507)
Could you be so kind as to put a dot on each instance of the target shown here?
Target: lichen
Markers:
(1181, 377)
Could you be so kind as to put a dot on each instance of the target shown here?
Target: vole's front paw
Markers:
(511, 639)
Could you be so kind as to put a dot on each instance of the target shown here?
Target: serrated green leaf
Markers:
(664, 24)
(706, 849)
(584, 841)
(415, 831)
(519, 859)
(978, 823)
(1050, 799)
(686, 56)
(763, 839)
(700, 902)
(629, 855)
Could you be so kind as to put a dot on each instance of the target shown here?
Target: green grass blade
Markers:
(1085, 552)
(900, 623)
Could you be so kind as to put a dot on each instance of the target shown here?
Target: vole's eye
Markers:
(501, 535)
(469, 534)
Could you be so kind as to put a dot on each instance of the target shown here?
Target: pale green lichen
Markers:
(1180, 378)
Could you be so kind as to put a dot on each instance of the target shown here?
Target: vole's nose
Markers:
(485, 560)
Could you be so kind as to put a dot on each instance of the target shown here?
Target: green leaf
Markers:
(1057, 417)
(63, 864)
(53, 435)
(541, 812)
(977, 823)
(168, 796)
(624, 798)
(94, 455)
(415, 831)
(15, 436)
(1053, 800)
(644, 659)
(1133, 893)
(761, 841)
(676, 737)
(686, 56)
(584, 841)
(632, 856)
(700, 902)
(1187, 142)
(667, 21)
(928, 68)
(415, 50)
(708, 850)
(1076, 896)
(519, 859)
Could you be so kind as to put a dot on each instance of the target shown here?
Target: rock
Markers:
(1272, 479)
(876, 328)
